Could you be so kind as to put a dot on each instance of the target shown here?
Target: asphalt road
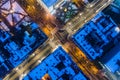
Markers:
(32, 61)
(83, 17)
(35, 58)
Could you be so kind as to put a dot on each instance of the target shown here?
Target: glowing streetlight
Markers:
(11, 11)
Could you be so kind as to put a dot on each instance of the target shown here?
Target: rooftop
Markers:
(17, 47)
(59, 66)
(49, 3)
(112, 59)
(96, 35)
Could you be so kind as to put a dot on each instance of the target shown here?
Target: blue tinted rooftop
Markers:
(30, 38)
(112, 59)
(93, 39)
(49, 3)
(59, 66)
(19, 46)
(117, 2)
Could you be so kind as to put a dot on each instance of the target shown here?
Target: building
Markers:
(4, 35)
(117, 2)
(112, 59)
(17, 47)
(100, 39)
(26, 40)
(113, 11)
(66, 11)
(57, 66)
(5, 67)
(96, 36)
(49, 3)
(63, 10)
(11, 13)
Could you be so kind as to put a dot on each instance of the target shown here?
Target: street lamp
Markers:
(11, 11)
(117, 29)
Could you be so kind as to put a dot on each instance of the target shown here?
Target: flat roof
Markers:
(49, 3)
(59, 66)
(93, 39)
